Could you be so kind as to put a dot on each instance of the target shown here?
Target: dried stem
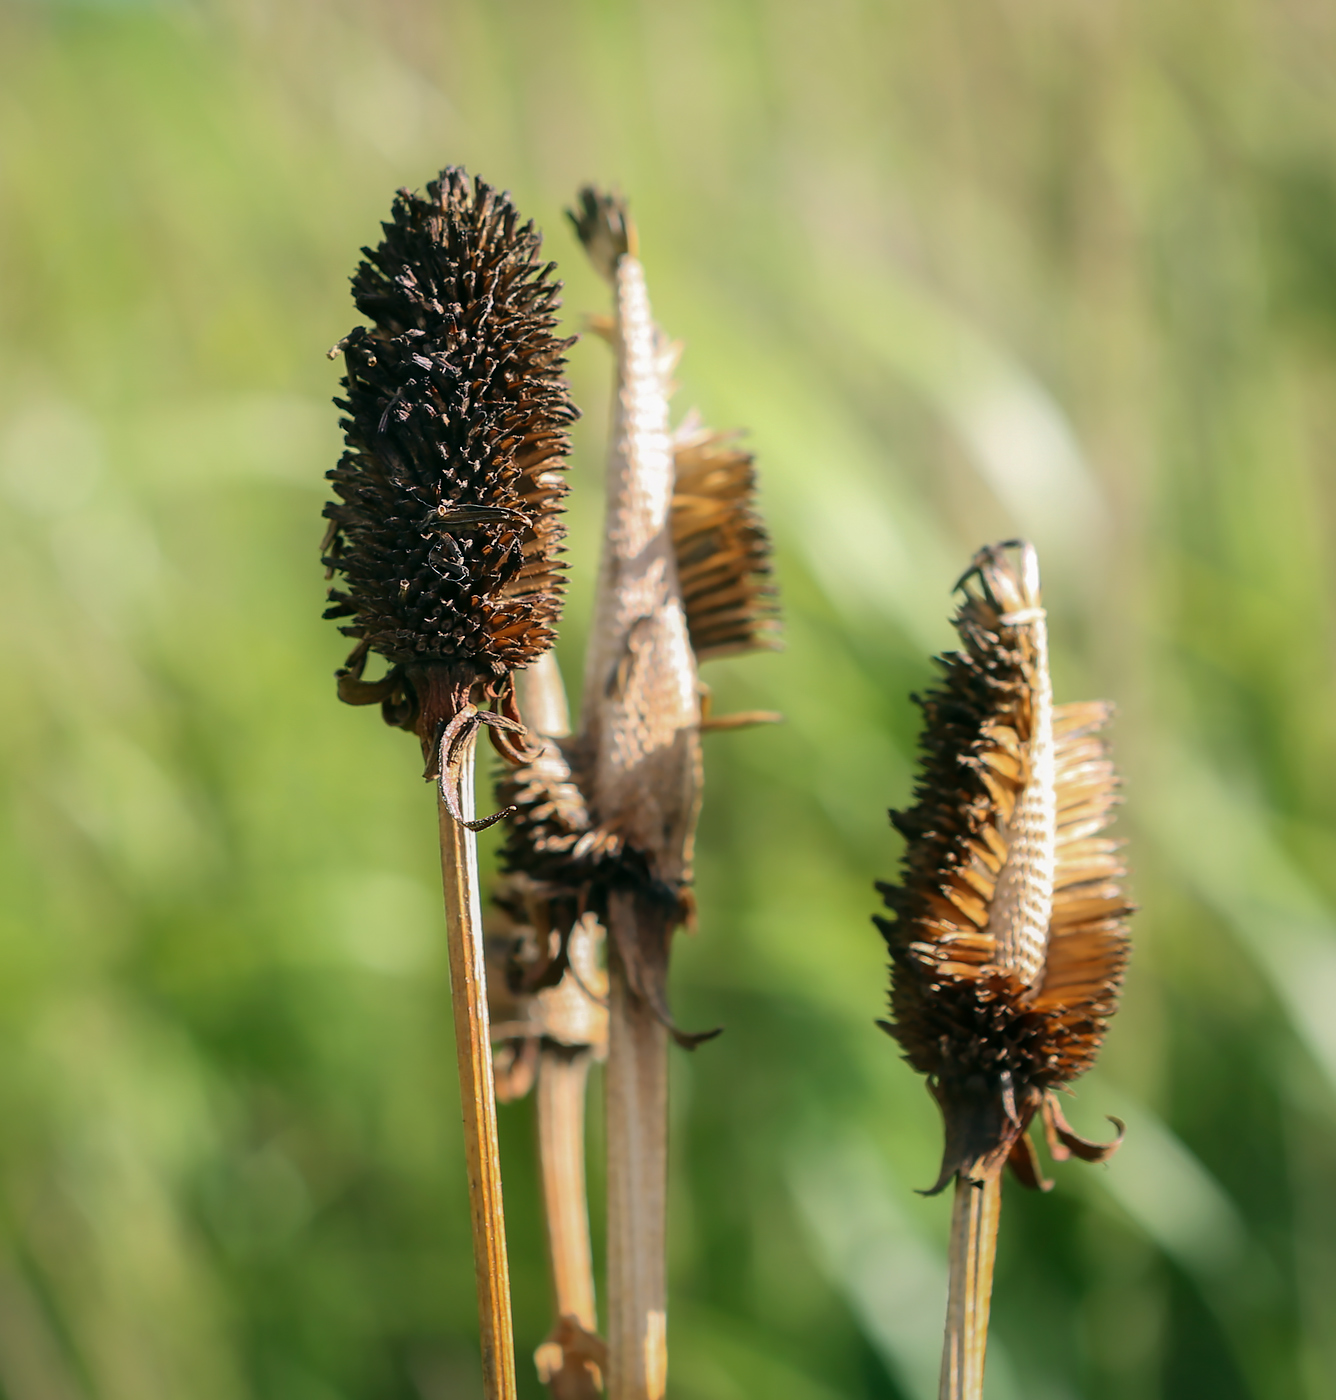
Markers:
(468, 995)
(572, 1358)
(563, 1072)
(637, 1128)
(973, 1246)
(562, 1075)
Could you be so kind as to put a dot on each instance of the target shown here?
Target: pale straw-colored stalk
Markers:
(973, 1246)
(640, 728)
(477, 1092)
(572, 1358)
(637, 1130)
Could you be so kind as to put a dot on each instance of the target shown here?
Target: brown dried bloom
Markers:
(1008, 938)
(446, 530)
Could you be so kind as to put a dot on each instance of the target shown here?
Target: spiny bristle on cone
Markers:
(722, 548)
(446, 530)
(994, 1027)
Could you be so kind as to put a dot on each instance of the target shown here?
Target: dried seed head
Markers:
(446, 528)
(722, 548)
(1008, 937)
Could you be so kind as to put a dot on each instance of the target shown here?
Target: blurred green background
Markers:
(964, 270)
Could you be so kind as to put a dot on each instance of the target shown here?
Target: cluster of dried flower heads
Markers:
(1007, 931)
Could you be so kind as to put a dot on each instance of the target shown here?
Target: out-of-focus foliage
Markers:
(966, 270)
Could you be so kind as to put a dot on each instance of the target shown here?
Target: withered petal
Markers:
(1064, 1142)
(1024, 1163)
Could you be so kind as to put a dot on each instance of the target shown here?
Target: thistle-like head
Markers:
(1007, 937)
(446, 529)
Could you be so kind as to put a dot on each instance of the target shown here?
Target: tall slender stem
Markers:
(562, 1074)
(637, 1132)
(477, 1093)
(973, 1246)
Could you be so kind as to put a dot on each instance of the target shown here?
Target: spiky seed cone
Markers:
(1008, 937)
(446, 529)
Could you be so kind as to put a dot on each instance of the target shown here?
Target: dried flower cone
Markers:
(1008, 939)
(684, 574)
(446, 533)
(447, 528)
(638, 736)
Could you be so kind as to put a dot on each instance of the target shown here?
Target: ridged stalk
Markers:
(477, 1093)
(637, 1128)
(562, 1076)
(973, 1246)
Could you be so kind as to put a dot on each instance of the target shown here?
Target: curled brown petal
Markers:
(1024, 1163)
(642, 940)
(1064, 1141)
(499, 730)
(450, 749)
(353, 690)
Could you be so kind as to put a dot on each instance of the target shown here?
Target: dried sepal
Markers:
(446, 528)
(722, 548)
(1008, 938)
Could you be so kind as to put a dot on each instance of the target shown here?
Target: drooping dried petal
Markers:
(722, 548)
(446, 530)
(1008, 937)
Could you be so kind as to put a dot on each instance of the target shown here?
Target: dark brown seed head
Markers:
(994, 1029)
(446, 527)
